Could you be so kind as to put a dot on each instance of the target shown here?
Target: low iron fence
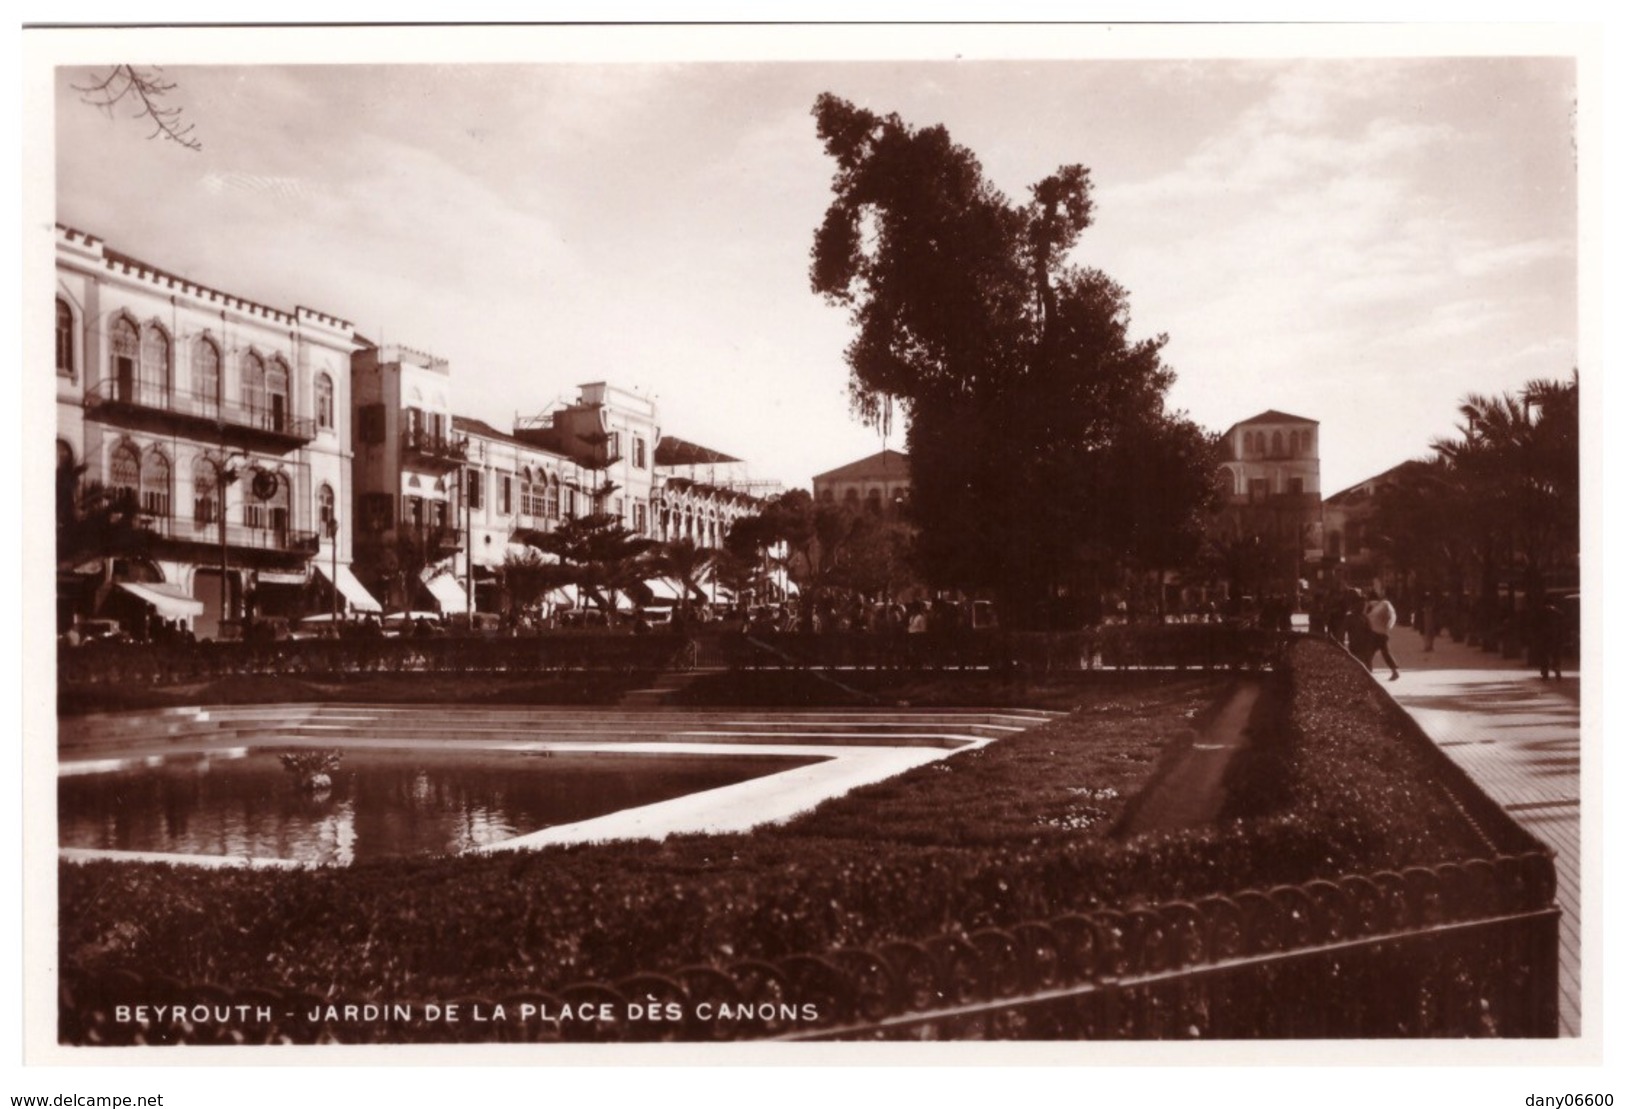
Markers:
(1177, 646)
(1468, 949)
(1111, 647)
(154, 664)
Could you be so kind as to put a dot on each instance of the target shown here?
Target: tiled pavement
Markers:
(1519, 737)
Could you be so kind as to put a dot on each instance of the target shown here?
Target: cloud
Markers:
(1492, 261)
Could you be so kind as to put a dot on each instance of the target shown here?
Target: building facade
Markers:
(225, 422)
(1270, 522)
(445, 501)
(879, 484)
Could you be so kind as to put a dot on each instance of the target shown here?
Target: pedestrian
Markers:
(1380, 619)
(1548, 639)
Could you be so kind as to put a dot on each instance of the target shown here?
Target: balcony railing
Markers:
(425, 446)
(188, 530)
(258, 422)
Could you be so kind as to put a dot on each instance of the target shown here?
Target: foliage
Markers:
(599, 555)
(1500, 496)
(686, 564)
(528, 576)
(144, 90)
(94, 521)
(1032, 415)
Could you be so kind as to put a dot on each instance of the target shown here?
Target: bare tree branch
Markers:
(146, 88)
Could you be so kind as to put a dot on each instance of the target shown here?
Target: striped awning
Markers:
(448, 593)
(354, 593)
(168, 600)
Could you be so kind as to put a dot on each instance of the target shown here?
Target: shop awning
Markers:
(664, 590)
(280, 577)
(565, 596)
(354, 593)
(448, 593)
(167, 600)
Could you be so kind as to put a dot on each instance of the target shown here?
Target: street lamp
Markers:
(332, 529)
(225, 475)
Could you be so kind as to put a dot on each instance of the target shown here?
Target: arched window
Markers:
(64, 338)
(1275, 443)
(326, 509)
(205, 510)
(254, 385)
(324, 401)
(155, 485)
(126, 358)
(206, 372)
(154, 362)
(1246, 443)
(550, 498)
(124, 473)
(64, 455)
(276, 394)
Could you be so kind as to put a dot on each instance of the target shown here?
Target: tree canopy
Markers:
(1041, 454)
(1501, 496)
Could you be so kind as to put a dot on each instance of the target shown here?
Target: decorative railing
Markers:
(427, 446)
(191, 530)
(158, 664)
(134, 397)
(1467, 949)
(1116, 647)
(1210, 647)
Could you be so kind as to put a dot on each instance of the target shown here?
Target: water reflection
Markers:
(382, 803)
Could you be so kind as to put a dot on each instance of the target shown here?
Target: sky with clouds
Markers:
(1359, 242)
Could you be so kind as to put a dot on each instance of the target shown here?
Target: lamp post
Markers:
(333, 542)
(224, 477)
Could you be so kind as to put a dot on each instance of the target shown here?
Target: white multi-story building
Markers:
(1270, 471)
(225, 421)
(444, 502)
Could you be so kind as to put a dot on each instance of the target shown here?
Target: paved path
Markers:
(1519, 738)
(1191, 791)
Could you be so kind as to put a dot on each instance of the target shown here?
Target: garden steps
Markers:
(140, 733)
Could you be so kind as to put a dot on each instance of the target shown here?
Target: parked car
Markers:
(100, 631)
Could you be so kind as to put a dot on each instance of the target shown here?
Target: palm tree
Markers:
(685, 563)
(94, 521)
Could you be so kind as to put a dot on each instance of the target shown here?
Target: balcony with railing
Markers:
(273, 537)
(154, 406)
(422, 446)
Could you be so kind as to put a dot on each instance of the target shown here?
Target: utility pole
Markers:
(333, 539)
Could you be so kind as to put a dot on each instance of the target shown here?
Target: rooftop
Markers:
(885, 464)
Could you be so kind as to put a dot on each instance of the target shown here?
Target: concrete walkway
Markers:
(1519, 738)
(1189, 791)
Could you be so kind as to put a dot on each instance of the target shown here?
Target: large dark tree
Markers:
(1031, 412)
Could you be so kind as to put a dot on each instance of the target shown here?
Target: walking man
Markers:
(1380, 618)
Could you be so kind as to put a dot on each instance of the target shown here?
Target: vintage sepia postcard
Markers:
(809, 544)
